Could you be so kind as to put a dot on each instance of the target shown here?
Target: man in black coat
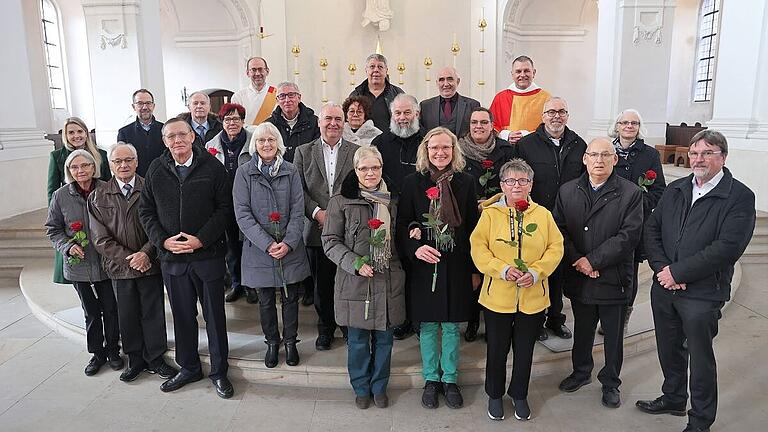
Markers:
(204, 124)
(556, 155)
(378, 88)
(145, 133)
(600, 215)
(699, 229)
(296, 122)
(184, 208)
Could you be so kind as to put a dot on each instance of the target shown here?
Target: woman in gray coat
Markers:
(369, 288)
(67, 228)
(269, 208)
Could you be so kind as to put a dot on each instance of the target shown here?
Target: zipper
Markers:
(488, 289)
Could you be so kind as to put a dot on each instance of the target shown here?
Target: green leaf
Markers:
(361, 261)
(511, 243)
(84, 243)
(520, 264)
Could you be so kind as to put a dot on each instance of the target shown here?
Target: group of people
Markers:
(394, 216)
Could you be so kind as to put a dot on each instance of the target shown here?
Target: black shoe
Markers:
(94, 365)
(223, 387)
(163, 370)
(496, 409)
(132, 372)
(251, 296)
(178, 381)
(573, 383)
(660, 406)
(522, 410)
(403, 331)
(270, 358)
(323, 342)
(429, 397)
(691, 428)
(291, 354)
(453, 396)
(234, 294)
(116, 362)
(381, 400)
(611, 398)
(561, 331)
(308, 300)
(362, 402)
(600, 330)
(543, 335)
(471, 334)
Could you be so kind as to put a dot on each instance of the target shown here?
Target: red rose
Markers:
(374, 223)
(521, 205)
(213, 151)
(274, 216)
(433, 193)
(487, 164)
(650, 175)
(76, 226)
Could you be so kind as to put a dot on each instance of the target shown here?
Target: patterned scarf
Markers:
(380, 198)
(449, 210)
(273, 169)
(621, 151)
(477, 152)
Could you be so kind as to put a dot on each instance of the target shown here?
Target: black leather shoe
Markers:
(251, 296)
(496, 409)
(543, 335)
(611, 397)
(690, 428)
(522, 410)
(131, 373)
(94, 365)
(323, 342)
(362, 402)
(453, 396)
(164, 370)
(381, 400)
(270, 358)
(234, 294)
(403, 331)
(429, 397)
(660, 406)
(561, 331)
(291, 354)
(471, 334)
(573, 383)
(178, 381)
(308, 300)
(116, 362)
(223, 387)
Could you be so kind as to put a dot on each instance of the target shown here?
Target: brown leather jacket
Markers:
(116, 231)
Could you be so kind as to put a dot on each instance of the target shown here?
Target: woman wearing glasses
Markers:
(359, 128)
(514, 296)
(636, 162)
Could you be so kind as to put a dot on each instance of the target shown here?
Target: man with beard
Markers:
(378, 88)
(555, 153)
(145, 134)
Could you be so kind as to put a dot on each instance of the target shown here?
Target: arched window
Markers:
(54, 55)
(709, 25)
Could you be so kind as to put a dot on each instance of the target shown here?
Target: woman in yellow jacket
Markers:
(514, 291)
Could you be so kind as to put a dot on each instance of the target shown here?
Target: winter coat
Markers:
(501, 154)
(606, 230)
(399, 157)
(552, 166)
(255, 197)
(541, 251)
(363, 136)
(149, 144)
(305, 130)
(453, 299)
(700, 243)
(345, 238)
(116, 230)
(68, 206)
(389, 93)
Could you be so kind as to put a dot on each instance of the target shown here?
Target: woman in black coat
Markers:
(446, 300)
(636, 161)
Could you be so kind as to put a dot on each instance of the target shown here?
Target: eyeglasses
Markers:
(603, 155)
(266, 140)
(119, 162)
(355, 112)
(173, 136)
(513, 181)
(258, 70)
(144, 104)
(290, 95)
(706, 154)
(375, 168)
(372, 67)
(232, 119)
(479, 122)
(440, 148)
(552, 113)
(628, 123)
(79, 167)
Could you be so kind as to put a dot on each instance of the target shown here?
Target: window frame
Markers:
(53, 69)
(708, 40)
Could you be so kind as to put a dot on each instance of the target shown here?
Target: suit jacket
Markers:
(429, 117)
(149, 145)
(310, 162)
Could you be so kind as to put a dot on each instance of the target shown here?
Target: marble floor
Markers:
(42, 387)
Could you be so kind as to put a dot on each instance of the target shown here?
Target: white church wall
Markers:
(37, 72)
(78, 65)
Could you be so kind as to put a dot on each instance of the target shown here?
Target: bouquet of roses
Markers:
(440, 233)
(79, 238)
(376, 240)
(646, 180)
(274, 219)
(488, 191)
(520, 207)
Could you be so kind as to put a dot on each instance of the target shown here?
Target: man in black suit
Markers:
(204, 124)
(450, 109)
(145, 133)
(184, 208)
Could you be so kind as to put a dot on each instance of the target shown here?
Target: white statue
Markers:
(377, 12)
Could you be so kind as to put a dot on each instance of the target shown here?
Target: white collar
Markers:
(711, 183)
(188, 163)
(122, 185)
(263, 89)
(335, 147)
(530, 88)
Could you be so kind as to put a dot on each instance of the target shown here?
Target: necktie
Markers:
(182, 171)
(201, 132)
(127, 190)
(447, 111)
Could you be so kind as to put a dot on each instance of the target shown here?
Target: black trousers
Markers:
(676, 320)
(611, 318)
(102, 329)
(141, 308)
(234, 250)
(290, 312)
(520, 332)
(324, 272)
(186, 283)
(555, 315)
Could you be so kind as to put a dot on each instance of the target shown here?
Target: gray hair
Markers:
(266, 128)
(613, 130)
(713, 138)
(84, 153)
(119, 144)
(516, 165)
(288, 84)
(176, 120)
(404, 96)
(377, 57)
(208, 98)
(366, 152)
(552, 99)
(523, 58)
(330, 104)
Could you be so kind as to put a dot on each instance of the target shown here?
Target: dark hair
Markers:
(229, 107)
(523, 58)
(713, 138)
(176, 120)
(482, 109)
(365, 104)
(266, 66)
(142, 90)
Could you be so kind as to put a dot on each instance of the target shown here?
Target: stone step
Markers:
(21, 233)
(16, 249)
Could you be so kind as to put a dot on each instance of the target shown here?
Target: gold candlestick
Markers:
(455, 51)
(427, 65)
(400, 71)
(295, 50)
(352, 68)
(323, 66)
(482, 24)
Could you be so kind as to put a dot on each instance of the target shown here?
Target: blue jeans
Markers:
(368, 365)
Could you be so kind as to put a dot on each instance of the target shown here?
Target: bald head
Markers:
(447, 82)
(599, 159)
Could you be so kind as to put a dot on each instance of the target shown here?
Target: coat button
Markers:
(586, 228)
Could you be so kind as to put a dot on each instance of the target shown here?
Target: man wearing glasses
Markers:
(378, 88)
(555, 153)
(296, 122)
(258, 98)
(145, 133)
(699, 229)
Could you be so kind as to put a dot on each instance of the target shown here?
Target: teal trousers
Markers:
(436, 356)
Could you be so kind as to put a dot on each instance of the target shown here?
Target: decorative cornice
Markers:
(545, 34)
(111, 7)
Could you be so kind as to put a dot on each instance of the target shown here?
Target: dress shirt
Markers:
(700, 191)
